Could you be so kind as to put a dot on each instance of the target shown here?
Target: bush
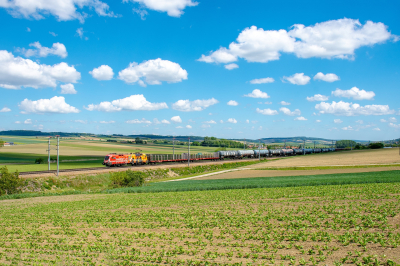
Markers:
(9, 183)
(377, 145)
(39, 160)
(128, 178)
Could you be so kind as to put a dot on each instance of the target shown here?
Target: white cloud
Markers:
(173, 8)
(176, 119)
(28, 29)
(287, 111)
(63, 10)
(188, 126)
(164, 121)
(68, 89)
(179, 127)
(329, 77)
(205, 126)
(352, 109)
(262, 81)
(210, 122)
(298, 79)
(196, 105)
(383, 120)
(231, 66)
(257, 94)
(247, 121)
(300, 118)
(103, 72)
(57, 49)
(232, 120)
(132, 103)
(28, 121)
(284, 103)
(17, 122)
(233, 103)
(268, 103)
(137, 121)
(16, 72)
(376, 129)
(80, 33)
(53, 34)
(317, 97)
(81, 121)
(221, 121)
(5, 110)
(56, 104)
(329, 39)
(318, 121)
(394, 125)
(337, 121)
(360, 122)
(107, 122)
(347, 128)
(154, 72)
(354, 93)
(266, 111)
(392, 119)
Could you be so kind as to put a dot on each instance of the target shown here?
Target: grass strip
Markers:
(265, 182)
(328, 167)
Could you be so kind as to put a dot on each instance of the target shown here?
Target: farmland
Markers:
(309, 225)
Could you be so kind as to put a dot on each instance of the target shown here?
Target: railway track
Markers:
(119, 167)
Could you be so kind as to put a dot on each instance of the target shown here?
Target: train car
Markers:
(287, 152)
(325, 149)
(308, 151)
(139, 159)
(261, 153)
(275, 152)
(245, 154)
(114, 159)
(298, 151)
(228, 154)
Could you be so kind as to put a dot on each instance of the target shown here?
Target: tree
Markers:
(345, 143)
(138, 140)
(1, 143)
(9, 183)
(376, 145)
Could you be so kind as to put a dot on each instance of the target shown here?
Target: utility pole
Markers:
(259, 150)
(189, 153)
(48, 159)
(58, 154)
(173, 148)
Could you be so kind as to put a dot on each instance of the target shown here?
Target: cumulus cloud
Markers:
(132, 103)
(164, 121)
(5, 110)
(205, 126)
(337, 121)
(317, 98)
(383, 120)
(81, 121)
(392, 119)
(188, 126)
(63, 10)
(153, 72)
(287, 111)
(318, 121)
(16, 72)
(176, 119)
(262, 81)
(300, 118)
(376, 129)
(103, 72)
(354, 93)
(40, 51)
(107, 122)
(137, 121)
(266, 111)
(330, 39)
(231, 66)
(53, 34)
(233, 103)
(347, 128)
(352, 109)
(196, 105)
(284, 103)
(329, 77)
(68, 89)
(257, 94)
(17, 122)
(52, 105)
(298, 79)
(28, 121)
(232, 120)
(394, 125)
(173, 8)
(210, 122)
(360, 122)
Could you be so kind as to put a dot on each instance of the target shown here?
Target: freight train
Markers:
(115, 159)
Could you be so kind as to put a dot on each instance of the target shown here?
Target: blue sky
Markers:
(171, 67)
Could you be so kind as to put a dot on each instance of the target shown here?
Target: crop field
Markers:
(316, 225)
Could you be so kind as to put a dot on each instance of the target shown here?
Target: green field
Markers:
(315, 224)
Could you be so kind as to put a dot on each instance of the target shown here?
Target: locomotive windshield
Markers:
(106, 158)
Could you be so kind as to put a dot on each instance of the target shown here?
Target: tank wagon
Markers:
(120, 159)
